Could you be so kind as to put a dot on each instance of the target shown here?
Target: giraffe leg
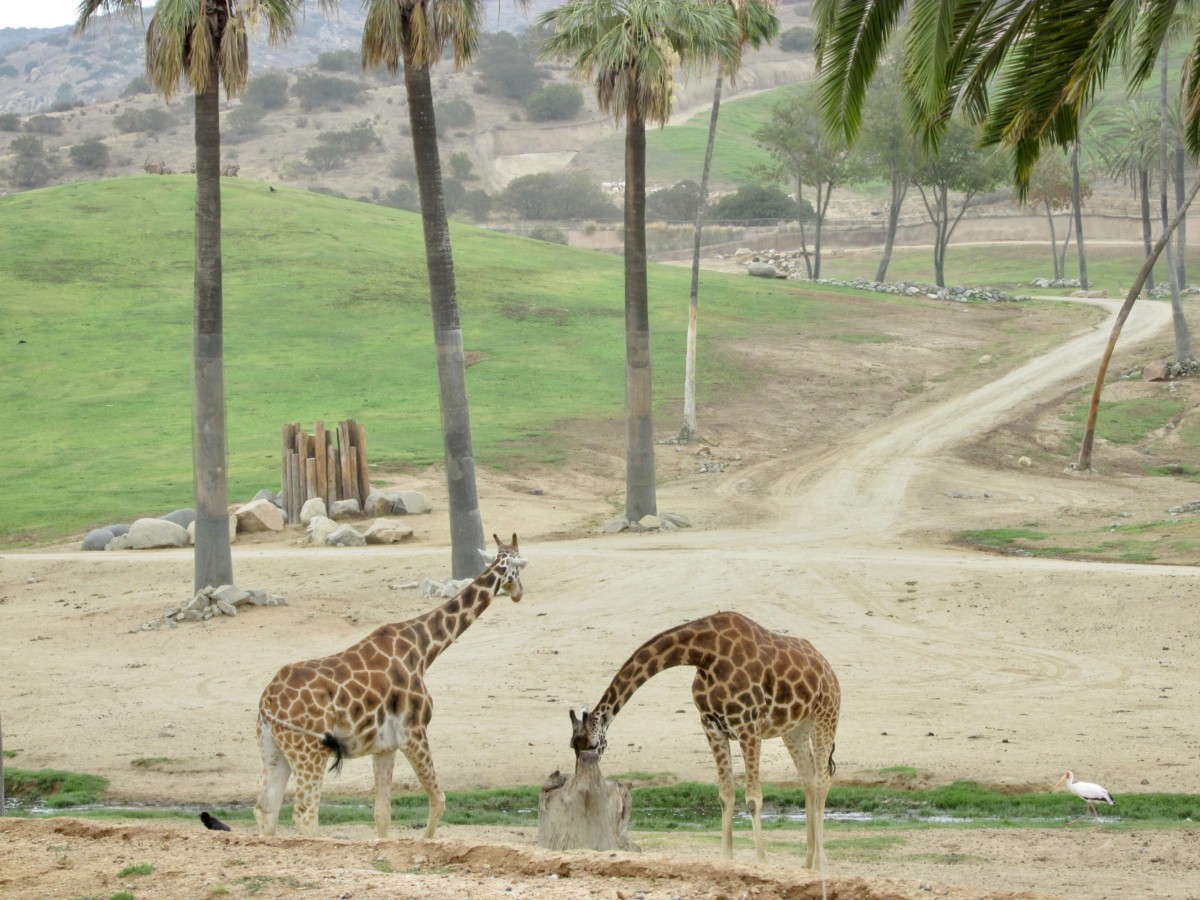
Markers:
(810, 754)
(416, 751)
(383, 791)
(276, 771)
(751, 749)
(720, 750)
(308, 760)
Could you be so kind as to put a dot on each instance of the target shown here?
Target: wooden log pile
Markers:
(320, 465)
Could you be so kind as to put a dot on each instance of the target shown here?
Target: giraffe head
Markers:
(588, 732)
(509, 564)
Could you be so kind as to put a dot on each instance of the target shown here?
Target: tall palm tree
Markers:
(630, 48)
(415, 33)
(204, 42)
(757, 22)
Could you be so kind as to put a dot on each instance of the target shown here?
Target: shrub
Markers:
(10, 122)
(453, 114)
(323, 90)
(403, 167)
(243, 121)
(800, 39)
(403, 197)
(267, 91)
(558, 195)
(90, 154)
(44, 125)
(461, 166)
(677, 203)
(32, 167)
(755, 202)
(340, 61)
(554, 102)
(509, 66)
(548, 233)
(148, 121)
(137, 85)
(477, 204)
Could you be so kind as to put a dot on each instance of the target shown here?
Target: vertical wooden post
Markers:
(322, 470)
(331, 470)
(286, 443)
(348, 481)
(364, 478)
(310, 480)
(295, 477)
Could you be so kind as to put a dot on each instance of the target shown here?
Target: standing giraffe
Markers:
(369, 699)
(750, 684)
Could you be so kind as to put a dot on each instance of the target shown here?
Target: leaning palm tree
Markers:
(414, 33)
(204, 42)
(630, 49)
(758, 23)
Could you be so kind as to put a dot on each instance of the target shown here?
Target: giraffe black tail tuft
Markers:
(339, 751)
(831, 765)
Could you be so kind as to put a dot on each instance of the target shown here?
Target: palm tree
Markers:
(631, 48)
(757, 22)
(205, 43)
(415, 33)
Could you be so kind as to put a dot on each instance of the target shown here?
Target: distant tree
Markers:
(243, 121)
(267, 91)
(800, 39)
(10, 122)
(555, 102)
(453, 114)
(677, 203)
(44, 124)
(548, 233)
(477, 204)
(1050, 188)
(403, 167)
(90, 154)
(558, 195)
(314, 91)
(454, 191)
(32, 166)
(139, 84)
(756, 202)
(960, 167)
(509, 67)
(404, 197)
(148, 121)
(461, 166)
(339, 61)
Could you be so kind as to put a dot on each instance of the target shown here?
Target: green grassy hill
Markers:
(326, 317)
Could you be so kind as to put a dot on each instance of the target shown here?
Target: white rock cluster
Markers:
(212, 602)
(662, 522)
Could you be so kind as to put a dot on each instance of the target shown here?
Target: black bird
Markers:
(271, 188)
(212, 823)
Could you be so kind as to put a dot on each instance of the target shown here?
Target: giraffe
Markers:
(751, 684)
(370, 699)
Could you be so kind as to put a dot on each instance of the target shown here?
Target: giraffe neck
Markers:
(443, 625)
(681, 646)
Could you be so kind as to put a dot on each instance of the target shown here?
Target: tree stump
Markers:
(586, 812)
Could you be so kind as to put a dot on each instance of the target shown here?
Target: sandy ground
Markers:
(826, 516)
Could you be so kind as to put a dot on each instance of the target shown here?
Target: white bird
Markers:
(1089, 793)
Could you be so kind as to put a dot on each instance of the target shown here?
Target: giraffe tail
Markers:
(331, 741)
(831, 765)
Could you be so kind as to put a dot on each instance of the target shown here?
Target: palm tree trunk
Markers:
(1181, 231)
(466, 522)
(1077, 207)
(690, 431)
(1183, 340)
(639, 433)
(808, 264)
(213, 562)
(1089, 432)
(1053, 240)
(1147, 227)
(821, 207)
(899, 189)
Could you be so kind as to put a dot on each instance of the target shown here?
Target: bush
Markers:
(32, 167)
(44, 125)
(453, 114)
(148, 121)
(461, 166)
(334, 146)
(243, 121)
(403, 197)
(403, 167)
(267, 91)
(558, 195)
(509, 66)
(554, 103)
(10, 122)
(91, 154)
(755, 202)
(340, 61)
(548, 233)
(138, 85)
(477, 204)
(800, 39)
(677, 203)
(323, 90)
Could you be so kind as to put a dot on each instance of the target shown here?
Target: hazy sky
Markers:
(38, 13)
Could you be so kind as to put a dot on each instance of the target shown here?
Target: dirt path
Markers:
(958, 664)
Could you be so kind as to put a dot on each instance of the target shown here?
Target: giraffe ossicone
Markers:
(368, 700)
(751, 684)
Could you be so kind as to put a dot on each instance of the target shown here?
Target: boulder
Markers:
(264, 494)
(415, 503)
(386, 531)
(385, 503)
(312, 508)
(649, 523)
(319, 529)
(761, 270)
(259, 515)
(148, 534)
(1156, 371)
(97, 539)
(233, 527)
(118, 530)
(183, 517)
(345, 509)
(346, 536)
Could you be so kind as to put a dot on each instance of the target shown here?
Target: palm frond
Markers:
(383, 35)
(853, 36)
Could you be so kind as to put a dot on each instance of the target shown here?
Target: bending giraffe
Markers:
(370, 699)
(751, 684)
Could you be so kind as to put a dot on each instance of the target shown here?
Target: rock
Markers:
(386, 531)
(264, 494)
(761, 270)
(149, 534)
(649, 523)
(118, 530)
(228, 593)
(346, 536)
(415, 503)
(259, 515)
(184, 517)
(233, 528)
(313, 507)
(385, 503)
(319, 529)
(1156, 371)
(97, 539)
(1090, 294)
(1025, 461)
(1194, 506)
(345, 509)
(615, 526)
(985, 359)
(676, 519)
(227, 609)
(448, 588)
